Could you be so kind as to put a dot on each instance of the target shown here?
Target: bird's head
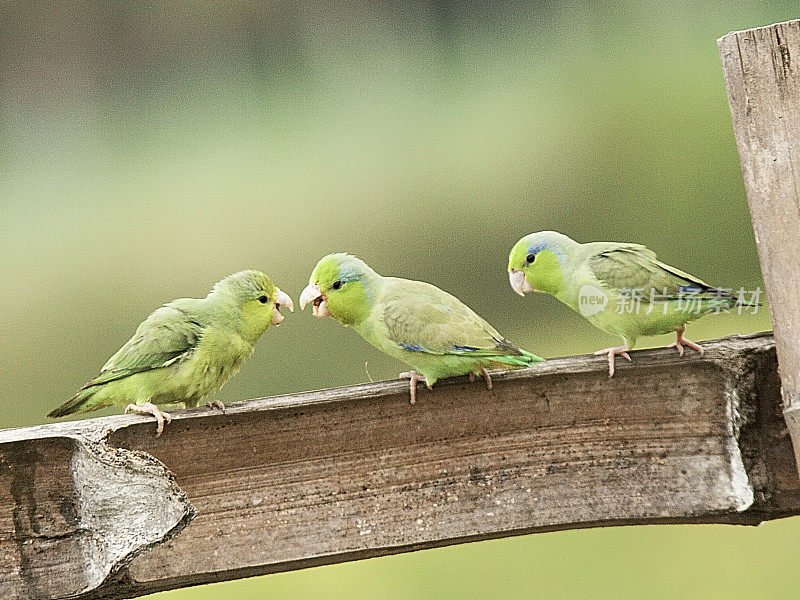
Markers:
(341, 286)
(536, 262)
(258, 300)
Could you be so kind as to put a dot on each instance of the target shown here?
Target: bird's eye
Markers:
(530, 258)
(336, 285)
(263, 299)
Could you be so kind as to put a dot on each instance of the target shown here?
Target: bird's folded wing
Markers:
(420, 317)
(165, 337)
(631, 266)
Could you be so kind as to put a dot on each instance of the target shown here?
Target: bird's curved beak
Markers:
(281, 299)
(312, 294)
(518, 282)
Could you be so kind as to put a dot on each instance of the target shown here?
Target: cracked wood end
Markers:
(74, 513)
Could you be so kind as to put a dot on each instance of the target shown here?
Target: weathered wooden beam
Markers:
(336, 475)
(762, 75)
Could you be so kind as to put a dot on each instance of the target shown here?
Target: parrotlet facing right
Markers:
(599, 278)
(416, 322)
(185, 350)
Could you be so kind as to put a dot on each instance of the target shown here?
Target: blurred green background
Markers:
(148, 149)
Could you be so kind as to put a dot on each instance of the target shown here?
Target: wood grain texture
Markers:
(323, 477)
(762, 76)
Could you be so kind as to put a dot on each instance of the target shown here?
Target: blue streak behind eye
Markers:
(536, 248)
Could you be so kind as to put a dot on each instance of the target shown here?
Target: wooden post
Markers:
(762, 76)
(335, 475)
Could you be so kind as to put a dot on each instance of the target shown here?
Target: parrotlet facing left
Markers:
(668, 298)
(416, 322)
(185, 350)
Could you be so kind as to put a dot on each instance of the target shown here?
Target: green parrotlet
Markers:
(416, 322)
(185, 350)
(621, 288)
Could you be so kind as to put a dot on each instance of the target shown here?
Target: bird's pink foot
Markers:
(487, 378)
(681, 341)
(151, 409)
(216, 404)
(414, 377)
(612, 352)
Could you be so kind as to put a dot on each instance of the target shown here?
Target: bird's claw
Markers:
(612, 352)
(678, 346)
(414, 377)
(681, 341)
(148, 408)
(216, 404)
(487, 378)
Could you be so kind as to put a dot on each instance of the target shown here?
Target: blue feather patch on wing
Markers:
(464, 348)
(411, 347)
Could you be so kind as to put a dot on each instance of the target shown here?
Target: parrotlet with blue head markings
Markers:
(621, 288)
(185, 350)
(413, 321)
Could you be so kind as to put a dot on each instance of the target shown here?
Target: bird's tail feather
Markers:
(532, 358)
(78, 403)
(523, 359)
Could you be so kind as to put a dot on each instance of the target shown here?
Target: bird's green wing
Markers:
(420, 317)
(632, 266)
(165, 337)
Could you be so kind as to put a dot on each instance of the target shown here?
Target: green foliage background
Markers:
(148, 149)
